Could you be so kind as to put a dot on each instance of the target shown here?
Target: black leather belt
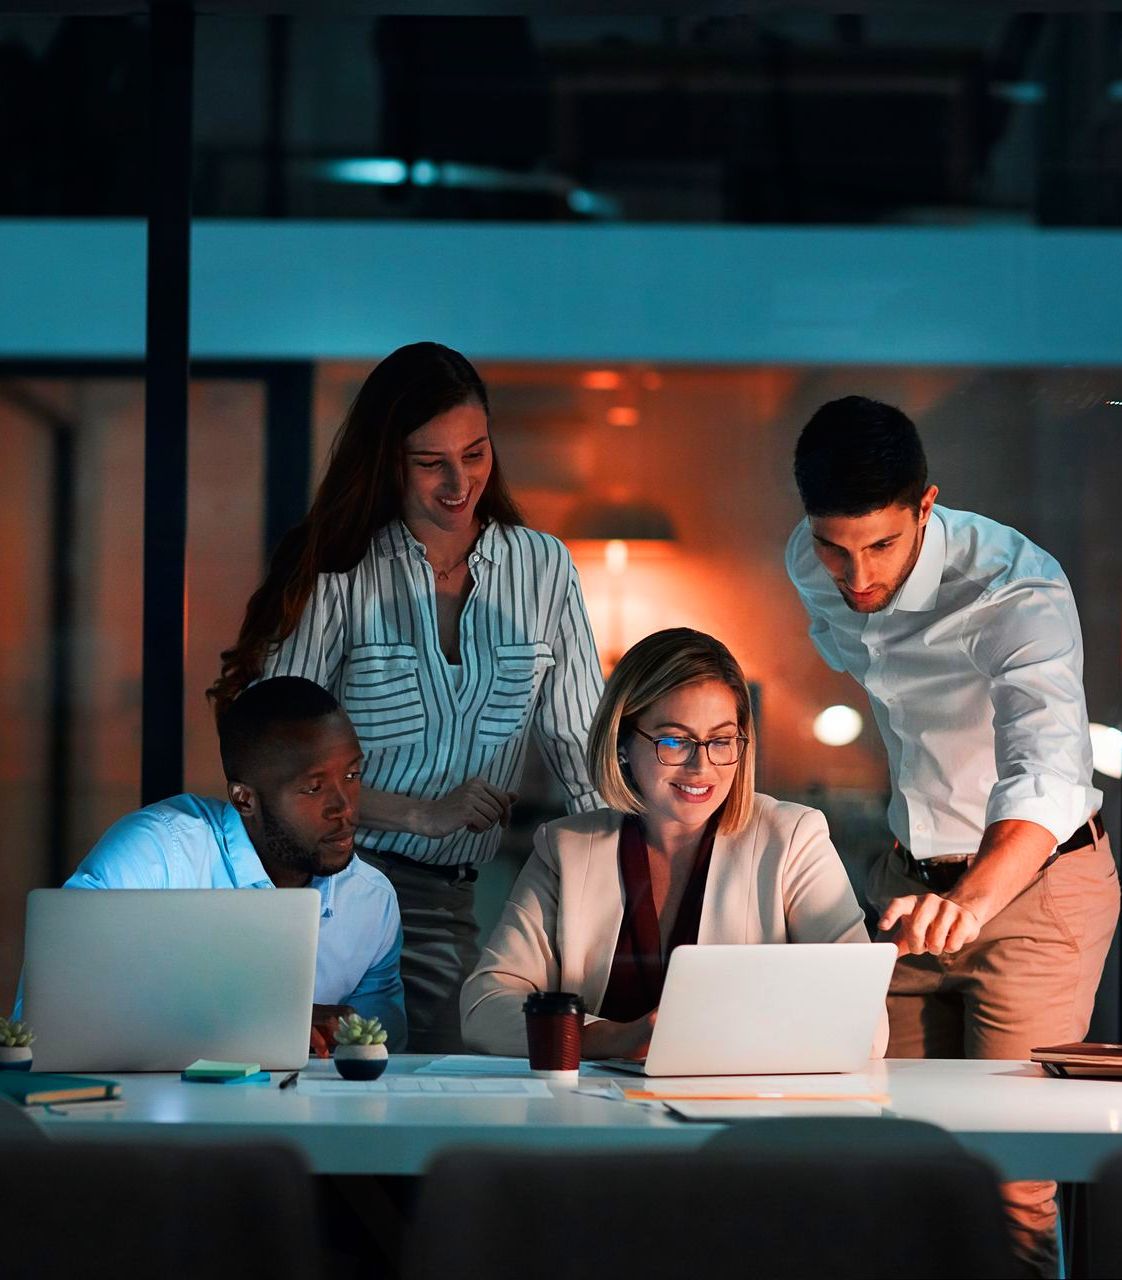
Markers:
(465, 872)
(942, 874)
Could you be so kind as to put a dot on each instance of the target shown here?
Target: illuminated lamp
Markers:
(838, 726)
(1106, 750)
(623, 415)
(600, 380)
(618, 527)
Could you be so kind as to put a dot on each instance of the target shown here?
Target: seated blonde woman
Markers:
(686, 853)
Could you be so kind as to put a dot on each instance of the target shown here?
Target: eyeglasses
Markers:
(675, 750)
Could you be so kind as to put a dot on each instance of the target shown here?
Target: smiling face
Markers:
(870, 556)
(301, 806)
(445, 467)
(684, 795)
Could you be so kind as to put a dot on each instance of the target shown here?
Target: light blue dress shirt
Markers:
(191, 842)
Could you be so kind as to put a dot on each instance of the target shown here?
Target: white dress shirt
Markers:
(974, 673)
(528, 664)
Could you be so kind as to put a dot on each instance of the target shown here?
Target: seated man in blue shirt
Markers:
(292, 764)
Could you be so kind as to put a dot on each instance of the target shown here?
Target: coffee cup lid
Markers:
(553, 1002)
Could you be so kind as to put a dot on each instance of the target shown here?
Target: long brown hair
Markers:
(360, 494)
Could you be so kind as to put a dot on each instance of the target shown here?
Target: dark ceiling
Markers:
(951, 114)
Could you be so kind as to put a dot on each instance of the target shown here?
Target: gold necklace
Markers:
(442, 574)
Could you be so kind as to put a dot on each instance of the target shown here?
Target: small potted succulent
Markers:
(360, 1048)
(15, 1046)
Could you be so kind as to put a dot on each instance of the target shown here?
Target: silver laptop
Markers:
(151, 979)
(793, 1008)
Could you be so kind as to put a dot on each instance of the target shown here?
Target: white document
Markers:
(427, 1086)
(861, 1086)
(464, 1064)
(728, 1109)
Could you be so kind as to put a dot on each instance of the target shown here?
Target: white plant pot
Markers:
(15, 1058)
(361, 1061)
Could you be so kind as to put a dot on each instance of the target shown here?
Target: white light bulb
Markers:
(615, 556)
(837, 726)
(1106, 749)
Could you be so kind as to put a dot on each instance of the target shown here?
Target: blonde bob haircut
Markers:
(648, 671)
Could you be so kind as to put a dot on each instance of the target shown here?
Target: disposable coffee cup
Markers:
(553, 1026)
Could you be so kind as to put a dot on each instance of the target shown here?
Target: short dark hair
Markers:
(857, 455)
(259, 711)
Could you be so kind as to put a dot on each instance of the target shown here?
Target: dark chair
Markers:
(837, 1135)
(1104, 1221)
(749, 1207)
(103, 1210)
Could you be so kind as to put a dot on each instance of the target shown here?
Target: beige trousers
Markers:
(1028, 979)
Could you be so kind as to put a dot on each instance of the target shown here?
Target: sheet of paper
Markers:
(600, 1089)
(728, 1109)
(823, 1088)
(426, 1086)
(464, 1064)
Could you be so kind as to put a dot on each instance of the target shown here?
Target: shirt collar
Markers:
(245, 866)
(395, 541)
(920, 590)
(326, 887)
(247, 872)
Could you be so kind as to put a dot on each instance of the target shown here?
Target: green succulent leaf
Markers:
(355, 1029)
(14, 1034)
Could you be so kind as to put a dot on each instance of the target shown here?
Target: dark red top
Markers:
(639, 967)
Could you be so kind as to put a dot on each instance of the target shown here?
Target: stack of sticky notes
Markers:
(204, 1071)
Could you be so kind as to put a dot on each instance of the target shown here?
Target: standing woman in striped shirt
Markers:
(449, 632)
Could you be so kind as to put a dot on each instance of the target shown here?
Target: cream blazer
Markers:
(781, 880)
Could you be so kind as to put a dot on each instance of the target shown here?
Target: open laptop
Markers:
(151, 979)
(794, 1008)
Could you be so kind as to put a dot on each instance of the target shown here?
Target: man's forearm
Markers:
(1011, 853)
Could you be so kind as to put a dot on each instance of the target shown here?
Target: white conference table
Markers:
(1026, 1123)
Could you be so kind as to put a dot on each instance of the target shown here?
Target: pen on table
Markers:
(290, 1079)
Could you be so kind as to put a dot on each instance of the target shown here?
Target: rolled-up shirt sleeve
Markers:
(568, 698)
(1026, 639)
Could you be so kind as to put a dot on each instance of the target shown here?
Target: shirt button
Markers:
(921, 826)
(475, 558)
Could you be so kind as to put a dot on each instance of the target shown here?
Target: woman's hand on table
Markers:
(606, 1039)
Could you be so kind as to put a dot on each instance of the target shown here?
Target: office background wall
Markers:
(695, 235)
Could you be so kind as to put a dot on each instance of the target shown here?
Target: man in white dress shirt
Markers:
(1000, 891)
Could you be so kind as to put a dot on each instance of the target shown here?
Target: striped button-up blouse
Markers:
(528, 662)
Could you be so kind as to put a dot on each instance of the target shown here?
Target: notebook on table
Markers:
(769, 1009)
(151, 979)
(1081, 1059)
(35, 1088)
